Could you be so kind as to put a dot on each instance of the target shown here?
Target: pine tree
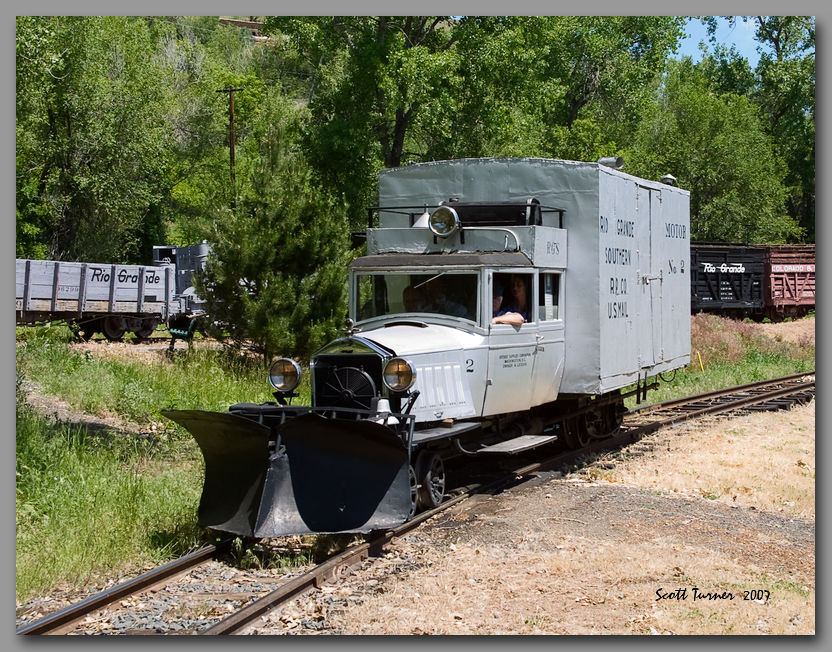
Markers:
(276, 278)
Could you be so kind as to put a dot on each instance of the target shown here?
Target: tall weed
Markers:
(727, 352)
(89, 504)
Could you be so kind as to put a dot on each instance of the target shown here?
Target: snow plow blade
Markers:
(335, 475)
(236, 452)
(326, 476)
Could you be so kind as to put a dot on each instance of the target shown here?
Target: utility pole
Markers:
(230, 90)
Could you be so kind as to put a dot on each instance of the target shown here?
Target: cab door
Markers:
(549, 352)
(511, 354)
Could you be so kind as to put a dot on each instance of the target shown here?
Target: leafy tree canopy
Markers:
(715, 146)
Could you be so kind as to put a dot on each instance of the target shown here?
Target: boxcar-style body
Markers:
(790, 276)
(728, 279)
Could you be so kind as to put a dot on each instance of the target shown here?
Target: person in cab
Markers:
(515, 311)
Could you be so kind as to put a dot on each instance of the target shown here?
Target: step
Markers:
(443, 431)
(522, 443)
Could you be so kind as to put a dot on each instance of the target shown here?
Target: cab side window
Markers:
(548, 297)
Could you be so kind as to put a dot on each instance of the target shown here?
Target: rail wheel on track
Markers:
(113, 328)
(430, 473)
(146, 329)
(575, 432)
(414, 491)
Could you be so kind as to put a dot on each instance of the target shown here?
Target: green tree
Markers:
(715, 145)
(561, 86)
(200, 57)
(92, 143)
(786, 96)
(390, 90)
(374, 76)
(784, 89)
(277, 275)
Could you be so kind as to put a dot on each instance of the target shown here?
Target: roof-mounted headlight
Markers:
(444, 221)
(284, 374)
(399, 375)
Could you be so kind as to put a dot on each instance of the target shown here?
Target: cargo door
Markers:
(648, 279)
(658, 275)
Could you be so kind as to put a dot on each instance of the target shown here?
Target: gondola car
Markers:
(111, 299)
(589, 266)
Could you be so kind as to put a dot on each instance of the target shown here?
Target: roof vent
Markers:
(613, 162)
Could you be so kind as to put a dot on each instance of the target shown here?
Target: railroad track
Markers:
(777, 394)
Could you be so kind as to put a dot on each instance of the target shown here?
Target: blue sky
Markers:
(741, 35)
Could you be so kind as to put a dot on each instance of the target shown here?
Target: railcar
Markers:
(727, 279)
(755, 281)
(503, 304)
(790, 278)
(112, 299)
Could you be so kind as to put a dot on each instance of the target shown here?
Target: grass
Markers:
(137, 389)
(731, 353)
(89, 504)
(86, 504)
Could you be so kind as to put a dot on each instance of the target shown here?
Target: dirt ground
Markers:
(699, 529)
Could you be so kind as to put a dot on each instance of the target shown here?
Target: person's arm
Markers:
(513, 318)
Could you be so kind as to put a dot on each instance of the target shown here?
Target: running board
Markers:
(518, 444)
(444, 431)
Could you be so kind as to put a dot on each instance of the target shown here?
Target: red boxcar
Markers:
(790, 276)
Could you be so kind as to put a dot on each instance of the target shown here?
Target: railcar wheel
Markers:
(595, 423)
(145, 330)
(430, 471)
(615, 417)
(575, 433)
(113, 328)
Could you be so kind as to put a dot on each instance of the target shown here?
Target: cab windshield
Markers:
(446, 293)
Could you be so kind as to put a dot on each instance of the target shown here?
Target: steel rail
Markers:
(324, 572)
(719, 392)
(332, 568)
(68, 615)
(741, 402)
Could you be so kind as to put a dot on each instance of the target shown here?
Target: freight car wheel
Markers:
(430, 471)
(113, 328)
(145, 330)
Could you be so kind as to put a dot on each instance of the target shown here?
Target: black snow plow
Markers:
(274, 470)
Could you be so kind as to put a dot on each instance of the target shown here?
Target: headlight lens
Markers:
(284, 374)
(443, 221)
(399, 375)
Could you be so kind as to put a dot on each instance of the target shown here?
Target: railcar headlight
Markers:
(284, 374)
(443, 221)
(399, 375)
